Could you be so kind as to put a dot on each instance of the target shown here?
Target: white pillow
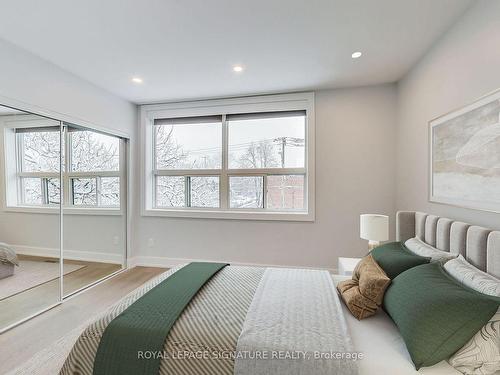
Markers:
(481, 354)
(418, 247)
(468, 275)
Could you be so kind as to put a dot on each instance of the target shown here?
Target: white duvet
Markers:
(296, 322)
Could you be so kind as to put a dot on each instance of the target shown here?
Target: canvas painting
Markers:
(465, 156)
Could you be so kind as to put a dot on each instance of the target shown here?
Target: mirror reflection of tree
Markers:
(90, 151)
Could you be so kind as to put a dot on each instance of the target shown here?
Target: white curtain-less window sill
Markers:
(66, 210)
(230, 214)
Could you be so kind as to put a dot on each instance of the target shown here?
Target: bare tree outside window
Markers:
(40, 154)
(92, 152)
(169, 154)
(110, 191)
(40, 151)
(204, 191)
(32, 188)
(258, 155)
(53, 190)
(170, 191)
(84, 191)
(188, 146)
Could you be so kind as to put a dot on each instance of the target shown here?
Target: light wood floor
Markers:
(22, 342)
(40, 297)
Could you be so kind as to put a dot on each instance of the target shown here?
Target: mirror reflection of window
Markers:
(95, 157)
(38, 150)
(92, 173)
(94, 180)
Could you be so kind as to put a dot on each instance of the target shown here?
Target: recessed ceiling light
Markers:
(137, 80)
(356, 55)
(237, 68)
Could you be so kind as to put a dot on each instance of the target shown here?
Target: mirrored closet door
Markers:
(63, 212)
(94, 213)
(30, 266)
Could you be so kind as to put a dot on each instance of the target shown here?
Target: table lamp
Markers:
(374, 228)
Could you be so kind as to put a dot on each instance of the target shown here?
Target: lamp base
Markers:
(373, 244)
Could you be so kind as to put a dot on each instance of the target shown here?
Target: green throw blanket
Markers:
(144, 325)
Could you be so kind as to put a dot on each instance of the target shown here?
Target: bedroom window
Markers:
(233, 164)
(92, 172)
(252, 161)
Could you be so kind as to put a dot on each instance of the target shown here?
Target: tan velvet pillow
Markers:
(365, 292)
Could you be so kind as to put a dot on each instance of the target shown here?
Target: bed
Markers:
(286, 313)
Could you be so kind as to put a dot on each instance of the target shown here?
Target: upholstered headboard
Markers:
(480, 246)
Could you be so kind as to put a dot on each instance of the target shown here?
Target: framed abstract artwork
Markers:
(465, 156)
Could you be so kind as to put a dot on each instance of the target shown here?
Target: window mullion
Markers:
(122, 166)
(155, 190)
(67, 189)
(154, 175)
(98, 190)
(70, 190)
(45, 191)
(20, 191)
(19, 168)
(20, 153)
(224, 179)
(187, 191)
(264, 191)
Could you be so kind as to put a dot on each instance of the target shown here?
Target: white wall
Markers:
(29, 82)
(27, 78)
(355, 169)
(461, 67)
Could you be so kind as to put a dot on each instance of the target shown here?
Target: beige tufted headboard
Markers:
(480, 246)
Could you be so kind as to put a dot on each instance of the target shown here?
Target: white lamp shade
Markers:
(374, 227)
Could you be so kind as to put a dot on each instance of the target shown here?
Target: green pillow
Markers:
(435, 314)
(395, 258)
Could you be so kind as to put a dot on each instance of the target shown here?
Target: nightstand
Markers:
(346, 265)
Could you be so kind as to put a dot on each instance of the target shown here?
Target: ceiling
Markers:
(186, 49)
(9, 111)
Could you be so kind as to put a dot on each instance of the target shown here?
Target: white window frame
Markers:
(223, 107)
(14, 174)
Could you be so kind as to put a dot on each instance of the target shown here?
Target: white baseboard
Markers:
(140, 260)
(87, 256)
(164, 262)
